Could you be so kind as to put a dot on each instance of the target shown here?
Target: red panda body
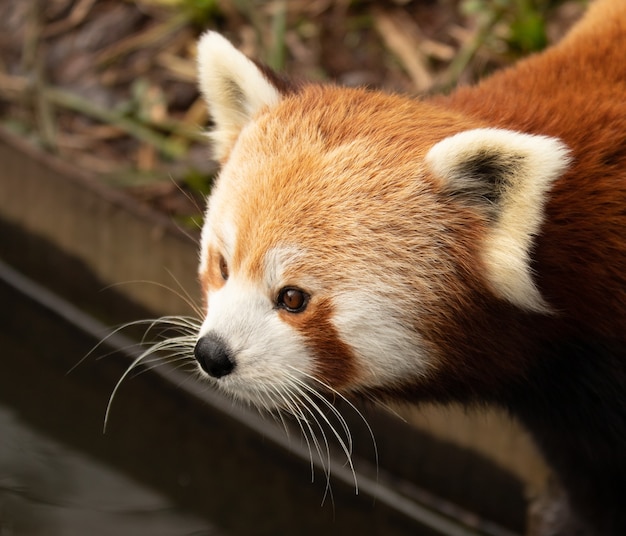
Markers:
(469, 248)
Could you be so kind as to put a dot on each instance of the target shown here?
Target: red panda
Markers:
(465, 248)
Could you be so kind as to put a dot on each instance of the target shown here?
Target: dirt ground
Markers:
(109, 85)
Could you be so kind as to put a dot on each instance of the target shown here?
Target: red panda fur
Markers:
(575, 91)
(335, 169)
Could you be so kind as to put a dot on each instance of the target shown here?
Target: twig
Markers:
(170, 148)
(142, 40)
(19, 87)
(45, 110)
(12, 86)
(182, 69)
(75, 18)
(470, 48)
(32, 62)
(32, 36)
(402, 37)
(278, 47)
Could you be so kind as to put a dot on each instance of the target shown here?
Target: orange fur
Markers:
(405, 223)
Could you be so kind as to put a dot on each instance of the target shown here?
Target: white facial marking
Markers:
(387, 351)
(276, 260)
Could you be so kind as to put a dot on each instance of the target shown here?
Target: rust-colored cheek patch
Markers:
(335, 364)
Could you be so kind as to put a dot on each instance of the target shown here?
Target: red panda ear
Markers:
(507, 176)
(235, 89)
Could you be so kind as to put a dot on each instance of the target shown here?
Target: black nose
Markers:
(214, 356)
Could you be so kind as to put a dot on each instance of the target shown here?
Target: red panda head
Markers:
(351, 231)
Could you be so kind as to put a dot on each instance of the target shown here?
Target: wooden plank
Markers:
(121, 242)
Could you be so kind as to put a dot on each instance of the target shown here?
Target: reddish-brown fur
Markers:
(334, 359)
(389, 219)
(576, 91)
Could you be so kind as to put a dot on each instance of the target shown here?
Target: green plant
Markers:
(523, 22)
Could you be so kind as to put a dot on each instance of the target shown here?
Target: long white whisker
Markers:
(184, 324)
(298, 408)
(334, 411)
(185, 293)
(279, 417)
(333, 391)
(179, 348)
(184, 297)
(291, 407)
(119, 382)
(177, 358)
(305, 402)
(346, 448)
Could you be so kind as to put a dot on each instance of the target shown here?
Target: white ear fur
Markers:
(234, 87)
(510, 174)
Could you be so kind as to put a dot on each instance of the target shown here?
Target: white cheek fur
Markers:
(387, 351)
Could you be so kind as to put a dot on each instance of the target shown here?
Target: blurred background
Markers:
(110, 84)
(103, 174)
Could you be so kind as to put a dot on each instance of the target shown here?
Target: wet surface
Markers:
(59, 474)
(50, 489)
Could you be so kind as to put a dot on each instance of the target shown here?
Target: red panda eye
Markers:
(292, 299)
(223, 268)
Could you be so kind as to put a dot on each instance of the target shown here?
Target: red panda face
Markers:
(301, 287)
(349, 229)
